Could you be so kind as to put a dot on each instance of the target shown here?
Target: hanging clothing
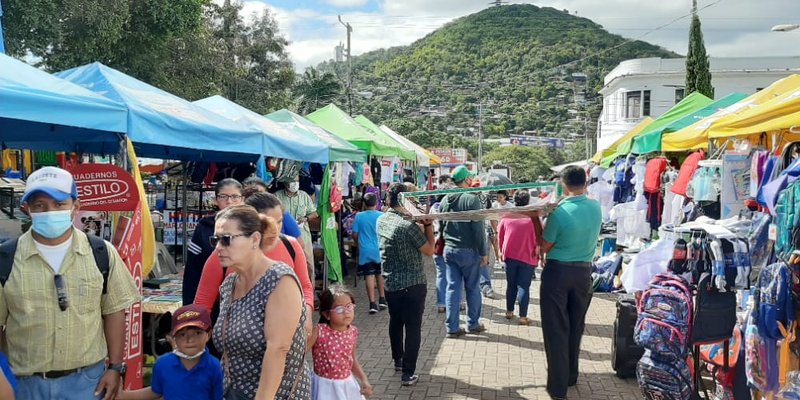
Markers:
(652, 175)
(603, 192)
(375, 170)
(655, 205)
(631, 222)
(639, 168)
(757, 164)
(687, 171)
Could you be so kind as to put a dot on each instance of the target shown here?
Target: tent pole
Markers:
(184, 208)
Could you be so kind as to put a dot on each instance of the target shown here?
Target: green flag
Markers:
(327, 226)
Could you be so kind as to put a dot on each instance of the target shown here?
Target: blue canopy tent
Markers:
(162, 125)
(41, 111)
(280, 141)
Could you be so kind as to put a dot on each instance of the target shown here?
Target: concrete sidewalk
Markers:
(506, 362)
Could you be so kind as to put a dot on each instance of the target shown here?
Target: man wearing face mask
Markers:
(299, 204)
(63, 318)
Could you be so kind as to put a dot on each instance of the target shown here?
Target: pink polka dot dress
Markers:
(333, 363)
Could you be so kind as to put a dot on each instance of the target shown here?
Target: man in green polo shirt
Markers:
(568, 245)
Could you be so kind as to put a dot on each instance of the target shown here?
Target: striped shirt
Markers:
(39, 336)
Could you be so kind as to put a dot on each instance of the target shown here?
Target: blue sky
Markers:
(732, 28)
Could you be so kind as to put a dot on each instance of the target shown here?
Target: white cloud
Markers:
(732, 28)
(346, 3)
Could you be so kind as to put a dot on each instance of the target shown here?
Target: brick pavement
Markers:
(506, 362)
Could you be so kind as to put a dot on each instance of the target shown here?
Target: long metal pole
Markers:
(480, 136)
(349, 66)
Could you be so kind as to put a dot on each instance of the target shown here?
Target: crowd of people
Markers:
(246, 327)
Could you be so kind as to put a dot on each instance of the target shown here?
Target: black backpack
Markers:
(99, 251)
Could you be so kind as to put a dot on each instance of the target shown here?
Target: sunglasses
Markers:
(225, 240)
(61, 292)
(345, 308)
(234, 197)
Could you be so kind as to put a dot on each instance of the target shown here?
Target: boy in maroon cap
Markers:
(189, 372)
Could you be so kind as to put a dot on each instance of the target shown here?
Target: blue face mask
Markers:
(52, 224)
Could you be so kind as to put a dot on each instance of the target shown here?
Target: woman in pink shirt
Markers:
(517, 237)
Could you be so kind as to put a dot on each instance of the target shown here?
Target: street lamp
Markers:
(785, 27)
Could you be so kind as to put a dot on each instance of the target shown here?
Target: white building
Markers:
(650, 86)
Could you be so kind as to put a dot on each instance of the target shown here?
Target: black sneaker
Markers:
(382, 304)
(373, 308)
(457, 334)
(398, 365)
(410, 380)
(477, 329)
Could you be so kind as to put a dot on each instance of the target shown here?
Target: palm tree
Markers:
(314, 91)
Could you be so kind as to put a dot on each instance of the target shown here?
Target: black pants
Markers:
(566, 293)
(405, 312)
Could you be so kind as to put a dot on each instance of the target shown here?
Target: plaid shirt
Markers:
(39, 336)
(399, 241)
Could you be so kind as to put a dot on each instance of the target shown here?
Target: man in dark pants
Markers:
(402, 245)
(568, 244)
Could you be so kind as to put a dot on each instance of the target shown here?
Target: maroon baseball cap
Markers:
(190, 315)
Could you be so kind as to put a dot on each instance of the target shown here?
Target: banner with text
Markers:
(451, 156)
(522, 140)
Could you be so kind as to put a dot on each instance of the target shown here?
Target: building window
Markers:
(679, 94)
(633, 104)
(646, 103)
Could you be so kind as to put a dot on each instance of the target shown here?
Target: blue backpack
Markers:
(662, 378)
(774, 301)
(665, 317)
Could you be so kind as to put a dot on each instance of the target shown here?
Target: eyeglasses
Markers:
(233, 197)
(345, 308)
(225, 240)
(61, 292)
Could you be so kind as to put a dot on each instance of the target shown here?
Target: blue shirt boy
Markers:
(172, 381)
(365, 225)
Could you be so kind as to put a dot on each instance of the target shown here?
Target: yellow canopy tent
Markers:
(601, 154)
(696, 136)
(781, 114)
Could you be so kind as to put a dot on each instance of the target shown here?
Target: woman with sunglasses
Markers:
(260, 329)
(228, 192)
(276, 247)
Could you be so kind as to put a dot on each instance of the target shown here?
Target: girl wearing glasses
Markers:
(260, 329)
(334, 349)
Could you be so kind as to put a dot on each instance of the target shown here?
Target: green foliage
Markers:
(525, 162)
(192, 48)
(514, 59)
(315, 90)
(698, 74)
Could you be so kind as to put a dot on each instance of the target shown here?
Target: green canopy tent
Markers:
(339, 149)
(336, 121)
(378, 132)
(649, 140)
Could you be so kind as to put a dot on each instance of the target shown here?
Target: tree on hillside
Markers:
(315, 90)
(192, 48)
(525, 162)
(698, 74)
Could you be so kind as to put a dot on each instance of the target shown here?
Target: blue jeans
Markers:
(441, 280)
(519, 276)
(486, 276)
(77, 386)
(462, 268)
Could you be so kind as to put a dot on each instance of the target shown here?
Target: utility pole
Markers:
(349, 67)
(480, 136)
(694, 7)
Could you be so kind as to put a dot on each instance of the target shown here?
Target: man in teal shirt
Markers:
(568, 245)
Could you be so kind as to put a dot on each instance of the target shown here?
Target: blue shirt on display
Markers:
(365, 225)
(172, 381)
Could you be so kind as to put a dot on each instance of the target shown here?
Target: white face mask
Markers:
(186, 357)
(294, 187)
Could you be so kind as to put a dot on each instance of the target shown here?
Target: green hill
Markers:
(516, 60)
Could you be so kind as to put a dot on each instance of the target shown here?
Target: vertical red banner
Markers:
(130, 249)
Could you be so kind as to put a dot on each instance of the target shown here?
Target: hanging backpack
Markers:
(786, 220)
(662, 378)
(774, 301)
(665, 317)
(715, 313)
(652, 174)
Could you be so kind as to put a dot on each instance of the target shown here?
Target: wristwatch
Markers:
(121, 368)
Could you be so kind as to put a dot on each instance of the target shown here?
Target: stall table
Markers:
(161, 302)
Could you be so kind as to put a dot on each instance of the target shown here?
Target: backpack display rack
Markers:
(678, 314)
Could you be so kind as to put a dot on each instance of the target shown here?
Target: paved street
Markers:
(506, 362)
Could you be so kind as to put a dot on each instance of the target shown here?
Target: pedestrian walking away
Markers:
(464, 254)
(566, 289)
(369, 256)
(402, 245)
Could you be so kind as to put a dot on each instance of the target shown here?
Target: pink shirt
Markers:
(333, 352)
(517, 240)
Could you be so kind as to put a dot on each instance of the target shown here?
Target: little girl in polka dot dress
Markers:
(334, 349)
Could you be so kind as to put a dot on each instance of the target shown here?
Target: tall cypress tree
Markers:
(698, 74)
